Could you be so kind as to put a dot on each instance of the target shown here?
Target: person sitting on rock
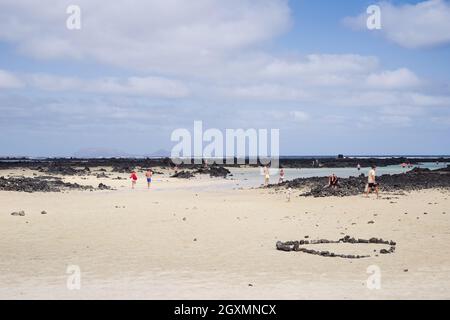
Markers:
(333, 181)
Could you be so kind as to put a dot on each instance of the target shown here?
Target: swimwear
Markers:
(149, 180)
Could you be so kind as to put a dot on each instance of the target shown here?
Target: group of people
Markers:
(372, 185)
(267, 176)
(148, 176)
(333, 180)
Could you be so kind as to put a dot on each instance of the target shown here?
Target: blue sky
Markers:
(137, 71)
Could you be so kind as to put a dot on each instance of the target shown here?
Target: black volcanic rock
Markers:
(64, 170)
(38, 184)
(416, 179)
(123, 163)
(214, 171)
(183, 175)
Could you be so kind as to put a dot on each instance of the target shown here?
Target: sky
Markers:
(138, 70)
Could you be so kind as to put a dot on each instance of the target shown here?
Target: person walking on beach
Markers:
(288, 194)
(372, 184)
(133, 178)
(281, 179)
(266, 176)
(149, 175)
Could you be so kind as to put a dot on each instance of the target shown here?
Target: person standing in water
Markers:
(149, 175)
(266, 176)
(359, 167)
(372, 184)
(281, 179)
(133, 178)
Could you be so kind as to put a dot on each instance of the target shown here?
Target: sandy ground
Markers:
(184, 240)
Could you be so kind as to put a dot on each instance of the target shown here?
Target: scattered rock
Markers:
(214, 171)
(295, 246)
(102, 175)
(20, 213)
(102, 186)
(183, 175)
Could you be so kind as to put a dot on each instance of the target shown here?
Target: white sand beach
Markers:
(184, 240)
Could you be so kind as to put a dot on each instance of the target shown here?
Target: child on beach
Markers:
(281, 179)
(133, 178)
(288, 194)
(149, 175)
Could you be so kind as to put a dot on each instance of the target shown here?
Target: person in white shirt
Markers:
(372, 184)
(266, 176)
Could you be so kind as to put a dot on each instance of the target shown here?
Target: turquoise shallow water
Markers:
(252, 177)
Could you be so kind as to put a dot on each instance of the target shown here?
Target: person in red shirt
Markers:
(133, 178)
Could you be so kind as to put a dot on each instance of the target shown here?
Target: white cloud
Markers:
(400, 78)
(9, 80)
(139, 86)
(266, 92)
(315, 64)
(425, 24)
(300, 116)
(396, 121)
(165, 36)
(209, 51)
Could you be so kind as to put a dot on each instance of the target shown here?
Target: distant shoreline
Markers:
(286, 162)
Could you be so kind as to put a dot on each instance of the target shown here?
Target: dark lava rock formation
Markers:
(214, 171)
(63, 170)
(416, 179)
(183, 175)
(296, 246)
(40, 184)
(126, 164)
